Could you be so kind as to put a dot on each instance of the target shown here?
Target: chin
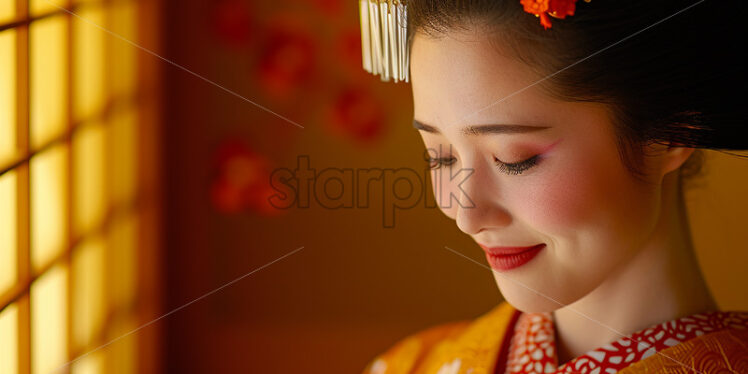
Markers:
(527, 300)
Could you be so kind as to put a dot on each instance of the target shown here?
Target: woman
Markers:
(580, 129)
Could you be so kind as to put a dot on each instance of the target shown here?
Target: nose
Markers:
(479, 205)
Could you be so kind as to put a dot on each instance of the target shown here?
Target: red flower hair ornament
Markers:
(554, 8)
(384, 47)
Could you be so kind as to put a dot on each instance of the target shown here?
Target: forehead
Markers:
(465, 77)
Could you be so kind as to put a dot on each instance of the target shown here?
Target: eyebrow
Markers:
(483, 129)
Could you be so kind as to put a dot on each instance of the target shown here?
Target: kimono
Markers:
(508, 341)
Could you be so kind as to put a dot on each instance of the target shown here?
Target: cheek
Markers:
(590, 194)
(559, 201)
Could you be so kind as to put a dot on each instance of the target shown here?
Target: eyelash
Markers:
(514, 168)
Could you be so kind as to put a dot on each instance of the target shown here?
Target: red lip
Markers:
(506, 258)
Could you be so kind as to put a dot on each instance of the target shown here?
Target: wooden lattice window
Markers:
(71, 188)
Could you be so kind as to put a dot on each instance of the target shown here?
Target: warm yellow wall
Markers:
(718, 211)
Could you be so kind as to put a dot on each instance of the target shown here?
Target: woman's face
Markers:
(578, 199)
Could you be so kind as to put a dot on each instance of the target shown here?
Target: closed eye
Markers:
(516, 168)
(437, 162)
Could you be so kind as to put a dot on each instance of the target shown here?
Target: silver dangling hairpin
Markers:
(384, 39)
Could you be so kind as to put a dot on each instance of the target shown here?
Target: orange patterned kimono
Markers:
(507, 341)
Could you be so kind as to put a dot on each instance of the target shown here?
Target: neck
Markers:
(661, 283)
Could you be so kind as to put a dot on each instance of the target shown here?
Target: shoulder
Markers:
(443, 344)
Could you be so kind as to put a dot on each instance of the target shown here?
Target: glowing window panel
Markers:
(48, 204)
(122, 146)
(48, 79)
(49, 320)
(38, 7)
(75, 2)
(91, 363)
(7, 13)
(7, 95)
(8, 245)
(88, 44)
(88, 265)
(9, 340)
(121, 256)
(122, 75)
(88, 174)
(122, 354)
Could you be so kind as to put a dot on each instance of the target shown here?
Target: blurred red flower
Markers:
(356, 114)
(242, 182)
(287, 59)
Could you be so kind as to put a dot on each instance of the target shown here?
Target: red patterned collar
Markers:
(533, 350)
